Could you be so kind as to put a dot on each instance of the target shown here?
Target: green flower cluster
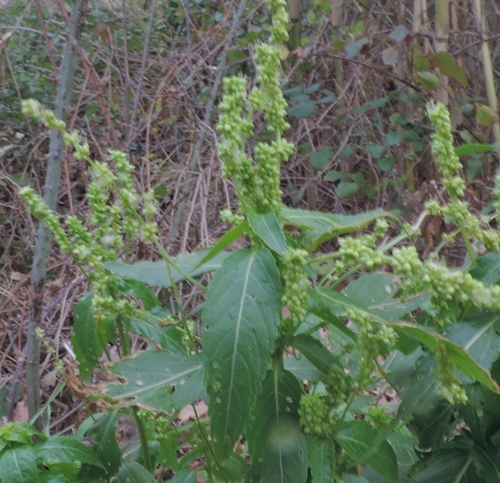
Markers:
(361, 250)
(445, 373)
(338, 386)
(257, 181)
(316, 416)
(372, 341)
(297, 284)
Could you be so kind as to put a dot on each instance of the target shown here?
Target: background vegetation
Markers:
(357, 77)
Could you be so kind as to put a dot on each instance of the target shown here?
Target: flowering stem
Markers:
(144, 440)
(465, 236)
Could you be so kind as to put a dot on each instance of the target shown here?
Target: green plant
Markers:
(303, 398)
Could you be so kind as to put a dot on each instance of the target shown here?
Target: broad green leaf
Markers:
(322, 459)
(268, 230)
(135, 473)
(427, 80)
(459, 357)
(85, 329)
(156, 274)
(104, 443)
(468, 149)
(18, 465)
(346, 190)
(320, 159)
(302, 110)
(301, 368)
(240, 323)
(354, 479)
(487, 268)
(376, 291)
(376, 150)
(276, 441)
(234, 469)
(158, 379)
(357, 439)
(432, 426)
(449, 466)
(485, 115)
(320, 227)
(184, 476)
(136, 289)
(19, 432)
(230, 237)
(169, 337)
(67, 450)
(395, 137)
(479, 337)
(448, 66)
(315, 352)
(49, 477)
(386, 164)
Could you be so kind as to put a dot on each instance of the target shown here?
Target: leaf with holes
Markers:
(240, 323)
(158, 379)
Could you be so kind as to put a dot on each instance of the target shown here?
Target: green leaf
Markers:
(136, 289)
(353, 48)
(395, 137)
(67, 450)
(357, 438)
(320, 159)
(169, 338)
(336, 175)
(301, 368)
(448, 66)
(427, 80)
(376, 150)
(390, 56)
(346, 190)
(474, 168)
(302, 110)
(322, 459)
(18, 465)
(399, 33)
(158, 379)
(321, 227)
(240, 323)
(268, 229)
(156, 273)
(329, 97)
(18, 433)
(487, 268)
(386, 164)
(85, 330)
(485, 115)
(479, 337)
(135, 473)
(275, 439)
(315, 352)
(376, 291)
(468, 149)
(105, 445)
(230, 237)
(234, 469)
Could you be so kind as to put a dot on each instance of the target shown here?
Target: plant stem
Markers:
(144, 439)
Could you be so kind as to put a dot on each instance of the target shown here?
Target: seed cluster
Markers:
(297, 284)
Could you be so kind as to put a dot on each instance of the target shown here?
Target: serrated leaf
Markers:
(302, 110)
(448, 66)
(320, 159)
(240, 323)
(315, 352)
(399, 33)
(67, 450)
(18, 465)
(321, 227)
(427, 80)
(322, 458)
(268, 229)
(135, 473)
(485, 115)
(156, 274)
(103, 436)
(390, 56)
(276, 442)
(357, 439)
(158, 379)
